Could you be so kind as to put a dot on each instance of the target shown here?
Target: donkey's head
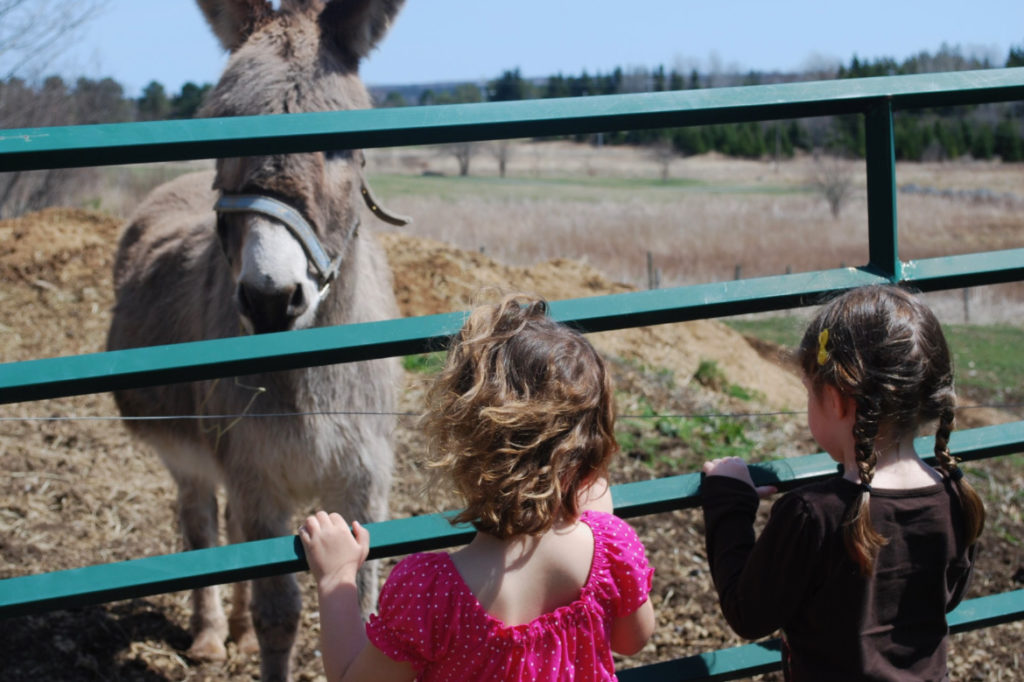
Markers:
(287, 222)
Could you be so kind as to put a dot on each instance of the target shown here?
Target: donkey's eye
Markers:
(338, 155)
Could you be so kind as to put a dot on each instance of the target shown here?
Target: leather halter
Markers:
(300, 228)
(296, 224)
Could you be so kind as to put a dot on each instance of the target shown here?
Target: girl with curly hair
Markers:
(520, 423)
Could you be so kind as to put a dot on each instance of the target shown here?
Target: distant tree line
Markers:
(981, 132)
(57, 102)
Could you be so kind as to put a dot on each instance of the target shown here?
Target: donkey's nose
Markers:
(271, 311)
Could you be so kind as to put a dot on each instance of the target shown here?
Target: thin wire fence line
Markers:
(276, 415)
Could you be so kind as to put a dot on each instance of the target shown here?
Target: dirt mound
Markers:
(433, 277)
(55, 265)
(51, 237)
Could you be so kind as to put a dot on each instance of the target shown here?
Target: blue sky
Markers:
(137, 41)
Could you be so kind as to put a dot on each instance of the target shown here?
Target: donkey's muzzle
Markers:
(271, 311)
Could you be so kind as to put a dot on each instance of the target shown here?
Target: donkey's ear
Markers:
(233, 21)
(356, 26)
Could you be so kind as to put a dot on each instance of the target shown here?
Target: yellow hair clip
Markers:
(822, 341)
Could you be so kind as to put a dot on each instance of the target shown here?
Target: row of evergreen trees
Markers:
(981, 132)
(919, 136)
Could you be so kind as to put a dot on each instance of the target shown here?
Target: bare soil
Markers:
(77, 490)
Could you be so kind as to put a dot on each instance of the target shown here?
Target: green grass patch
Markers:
(681, 442)
(425, 363)
(710, 375)
(714, 437)
(579, 188)
(988, 360)
(783, 330)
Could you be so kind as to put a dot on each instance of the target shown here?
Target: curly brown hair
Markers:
(885, 349)
(520, 418)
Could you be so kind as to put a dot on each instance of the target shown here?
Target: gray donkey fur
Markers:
(176, 281)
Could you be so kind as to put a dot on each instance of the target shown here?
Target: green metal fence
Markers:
(876, 99)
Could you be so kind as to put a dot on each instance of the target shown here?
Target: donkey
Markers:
(266, 244)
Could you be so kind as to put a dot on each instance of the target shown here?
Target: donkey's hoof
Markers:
(242, 634)
(207, 646)
(246, 642)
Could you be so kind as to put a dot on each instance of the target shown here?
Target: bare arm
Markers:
(373, 665)
(630, 633)
(335, 554)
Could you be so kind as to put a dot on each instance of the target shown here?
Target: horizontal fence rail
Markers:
(244, 561)
(876, 99)
(198, 360)
(137, 578)
(117, 143)
(766, 656)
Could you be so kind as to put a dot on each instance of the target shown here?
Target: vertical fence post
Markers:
(880, 147)
(653, 273)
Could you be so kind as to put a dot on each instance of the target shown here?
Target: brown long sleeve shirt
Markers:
(797, 576)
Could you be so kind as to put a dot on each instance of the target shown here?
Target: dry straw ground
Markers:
(80, 492)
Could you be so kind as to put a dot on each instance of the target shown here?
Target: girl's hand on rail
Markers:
(735, 467)
(334, 552)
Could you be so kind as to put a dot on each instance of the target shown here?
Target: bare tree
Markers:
(663, 153)
(832, 178)
(34, 32)
(818, 66)
(463, 153)
(502, 152)
(22, 106)
(32, 35)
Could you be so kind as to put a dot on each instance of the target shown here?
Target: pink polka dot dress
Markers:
(429, 617)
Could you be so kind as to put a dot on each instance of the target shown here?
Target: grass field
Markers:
(713, 218)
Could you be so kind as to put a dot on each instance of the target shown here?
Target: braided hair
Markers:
(883, 348)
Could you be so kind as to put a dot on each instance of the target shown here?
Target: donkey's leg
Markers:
(197, 515)
(240, 621)
(363, 496)
(276, 601)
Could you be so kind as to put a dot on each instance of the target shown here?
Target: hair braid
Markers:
(974, 508)
(861, 539)
(942, 432)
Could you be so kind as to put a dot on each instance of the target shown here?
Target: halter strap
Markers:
(378, 210)
(294, 221)
(300, 227)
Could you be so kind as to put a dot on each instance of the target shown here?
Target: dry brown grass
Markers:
(717, 215)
